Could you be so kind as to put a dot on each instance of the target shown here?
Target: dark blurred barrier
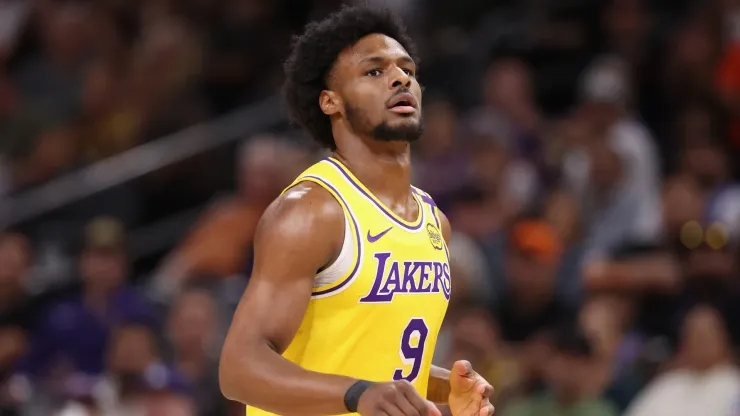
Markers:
(140, 161)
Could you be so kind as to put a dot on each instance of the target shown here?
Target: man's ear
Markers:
(330, 102)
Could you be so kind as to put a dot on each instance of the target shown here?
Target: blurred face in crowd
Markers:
(441, 125)
(682, 202)
(534, 253)
(531, 277)
(602, 320)
(364, 87)
(65, 33)
(565, 373)
(706, 163)
(104, 269)
(98, 89)
(508, 89)
(193, 321)
(694, 45)
(704, 339)
(266, 166)
(15, 261)
(476, 338)
(489, 162)
(132, 349)
(627, 24)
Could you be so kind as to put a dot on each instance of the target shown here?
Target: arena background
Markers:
(585, 152)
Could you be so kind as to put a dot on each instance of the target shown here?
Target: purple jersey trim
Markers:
(382, 209)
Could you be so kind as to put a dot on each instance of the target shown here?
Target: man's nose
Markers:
(399, 79)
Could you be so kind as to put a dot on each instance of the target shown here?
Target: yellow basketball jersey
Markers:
(379, 316)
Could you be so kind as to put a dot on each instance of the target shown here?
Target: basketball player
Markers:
(351, 277)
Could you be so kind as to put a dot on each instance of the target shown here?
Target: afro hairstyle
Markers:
(315, 52)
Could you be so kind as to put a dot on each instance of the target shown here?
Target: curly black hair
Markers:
(313, 56)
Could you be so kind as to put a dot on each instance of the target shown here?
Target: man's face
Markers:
(374, 87)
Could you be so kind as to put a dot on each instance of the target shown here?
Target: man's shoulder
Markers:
(304, 207)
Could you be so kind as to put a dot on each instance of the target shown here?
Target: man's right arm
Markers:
(298, 234)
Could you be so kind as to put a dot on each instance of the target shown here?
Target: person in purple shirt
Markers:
(72, 335)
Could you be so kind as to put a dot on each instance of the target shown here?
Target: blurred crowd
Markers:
(585, 152)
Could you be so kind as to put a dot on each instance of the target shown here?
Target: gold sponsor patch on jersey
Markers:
(435, 237)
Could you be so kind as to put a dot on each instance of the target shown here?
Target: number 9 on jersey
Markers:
(413, 342)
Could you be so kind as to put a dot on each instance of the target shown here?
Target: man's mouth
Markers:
(403, 103)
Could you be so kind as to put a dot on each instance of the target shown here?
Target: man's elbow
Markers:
(230, 381)
(225, 381)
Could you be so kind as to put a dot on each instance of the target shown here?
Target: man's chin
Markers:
(408, 131)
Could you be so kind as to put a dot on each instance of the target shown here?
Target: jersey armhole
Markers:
(337, 275)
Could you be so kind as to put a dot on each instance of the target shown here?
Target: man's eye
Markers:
(373, 73)
(409, 72)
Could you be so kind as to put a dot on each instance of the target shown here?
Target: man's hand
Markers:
(469, 392)
(396, 398)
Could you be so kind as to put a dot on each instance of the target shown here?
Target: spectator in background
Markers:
(220, 243)
(615, 174)
(194, 334)
(49, 81)
(510, 183)
(134, 369)
(17, 310)
(527, 302)
(510, 111)
(568, 376)
(72, 334)
(606, 322)
(473, 335)
(443, 158)
(704, 380)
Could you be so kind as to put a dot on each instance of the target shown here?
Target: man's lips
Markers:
(403, 103)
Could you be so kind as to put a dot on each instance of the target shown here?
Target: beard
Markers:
(384, 132)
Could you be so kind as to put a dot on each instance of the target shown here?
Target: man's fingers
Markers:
(463, 368)
(487, 410)
(416, 401)
(433, 409)
(391, 409)
(485, 389)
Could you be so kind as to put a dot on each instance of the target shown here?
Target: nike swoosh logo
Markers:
(374, 238)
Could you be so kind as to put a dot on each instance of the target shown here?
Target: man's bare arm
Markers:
(299, 233)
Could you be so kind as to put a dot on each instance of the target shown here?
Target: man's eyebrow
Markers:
(380, 59)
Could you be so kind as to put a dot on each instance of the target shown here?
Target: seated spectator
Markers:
(194, 334)
(220, 243)
(704, 380)
(567, 374)
(72, 334)
(528, 303)
(474, 337)
(15, 315)
(605, 320)
(135, 368)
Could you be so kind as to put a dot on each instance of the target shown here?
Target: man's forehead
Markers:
(375, 45)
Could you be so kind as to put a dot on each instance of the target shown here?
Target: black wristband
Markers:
(353, 394)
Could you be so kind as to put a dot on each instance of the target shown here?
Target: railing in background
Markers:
(139, 161)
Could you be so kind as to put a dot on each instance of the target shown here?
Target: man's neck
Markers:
(383, 167)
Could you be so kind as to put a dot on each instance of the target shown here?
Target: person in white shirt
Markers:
(704, 381)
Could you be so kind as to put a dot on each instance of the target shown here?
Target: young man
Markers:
(351, 277)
